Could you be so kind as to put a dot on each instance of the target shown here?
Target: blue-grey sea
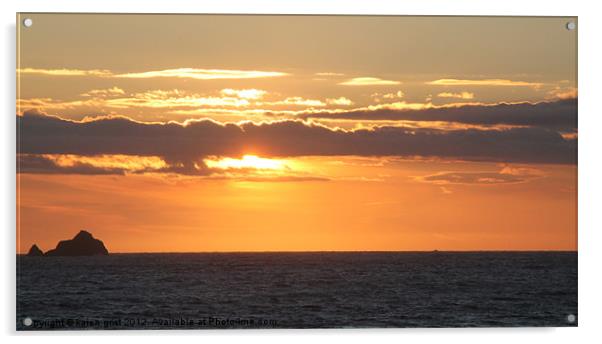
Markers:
(297, 290)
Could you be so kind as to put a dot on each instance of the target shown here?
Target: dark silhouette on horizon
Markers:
(83, 244)
(35, 251)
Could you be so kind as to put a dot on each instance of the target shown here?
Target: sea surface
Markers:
(297, 290)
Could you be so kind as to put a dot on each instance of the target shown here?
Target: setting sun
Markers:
(247, 161)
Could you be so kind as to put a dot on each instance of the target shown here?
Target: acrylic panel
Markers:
(290, 171)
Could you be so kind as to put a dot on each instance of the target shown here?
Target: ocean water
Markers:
(297, 290)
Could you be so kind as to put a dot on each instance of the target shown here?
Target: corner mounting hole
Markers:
(571, 26)
(571, 318)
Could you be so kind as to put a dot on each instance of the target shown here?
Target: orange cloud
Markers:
(483, 82)
(126, 162)
(339, 101)
(563, 93)
(389, 96)
(329, 74)
(174, 99)
(398, 94)
(52, 104)
(65, 72)
(202, 74)
(113, 91)
(177, 100)
(368, 81)
(246, 94)
(81, 164)
(461, 95)
(191, 73)
(400, 106)
(298, 101)
(249, 168)
(507, 175)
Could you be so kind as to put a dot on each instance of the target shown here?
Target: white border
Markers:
(590, 223)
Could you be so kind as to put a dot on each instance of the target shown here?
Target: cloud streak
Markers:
(107, 92)
(128, 164)
(189, 73)
(368, 81)
(559, 115)
(483, 82)
(66, 72)
(507, 175)
(245, 94)
(202, 74)
(460, 95)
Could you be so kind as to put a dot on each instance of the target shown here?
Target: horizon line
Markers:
(349, 251)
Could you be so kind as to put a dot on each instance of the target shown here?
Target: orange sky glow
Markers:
(299, 133)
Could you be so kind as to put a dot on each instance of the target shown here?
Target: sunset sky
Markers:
(186, 133)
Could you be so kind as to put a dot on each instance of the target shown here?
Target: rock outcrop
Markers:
(83, 244)
(35, 251)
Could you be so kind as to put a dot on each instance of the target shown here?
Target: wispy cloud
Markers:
(174, 99)
(66, 72)
(248, 168)
(115, 98)
(555, 115)
(107, 92)
(88, 165)
(388, 96)
(329, 74)
(297, 101)
(46, 104)
(402, 105)
(342, 101)
(460, 95)
(190, 73)
(245, 94)
(202, 74)
(507, 175)
(177, 101)
(368, 81)
(483, 82)
(563, 93)
(396, 95)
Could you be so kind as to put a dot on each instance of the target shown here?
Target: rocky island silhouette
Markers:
(83, 244)
(35, 251)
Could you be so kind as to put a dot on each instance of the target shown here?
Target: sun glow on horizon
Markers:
(246, 162)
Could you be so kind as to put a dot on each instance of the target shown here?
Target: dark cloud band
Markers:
(184, 145)
(558, 115)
